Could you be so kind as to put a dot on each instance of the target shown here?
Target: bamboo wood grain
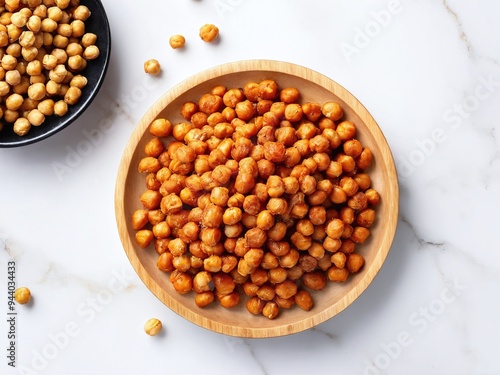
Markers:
(328, 302)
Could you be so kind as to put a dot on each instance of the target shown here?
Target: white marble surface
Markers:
(430, 75)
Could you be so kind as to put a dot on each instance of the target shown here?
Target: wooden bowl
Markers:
(329, 301)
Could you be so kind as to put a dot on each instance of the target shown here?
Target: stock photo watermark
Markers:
(453, 118)
(363, 36)
(93, 138)
(418, 321)
(86, 311)
(11, 317)
(226, 6)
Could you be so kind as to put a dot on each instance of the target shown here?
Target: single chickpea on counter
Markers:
(209, 32)
(22, 295)
(177, 41)
(152, 67)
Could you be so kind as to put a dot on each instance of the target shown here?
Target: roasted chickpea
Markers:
(346, 130)
(255, 305)
(209, 32)
(332, 110)
(304, 300)
(144, 237)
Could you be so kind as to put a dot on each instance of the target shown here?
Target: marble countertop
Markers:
(429, 73)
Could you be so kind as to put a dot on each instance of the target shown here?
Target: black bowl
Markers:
(95, 73)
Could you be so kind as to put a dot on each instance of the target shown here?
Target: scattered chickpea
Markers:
(209, 32)
(152, 327)
(22, 295)
(152, 66)
(177, 41)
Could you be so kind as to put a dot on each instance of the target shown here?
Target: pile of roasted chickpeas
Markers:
(257, 195)
(44, 48)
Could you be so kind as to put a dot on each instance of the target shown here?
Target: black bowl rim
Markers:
(74, 112)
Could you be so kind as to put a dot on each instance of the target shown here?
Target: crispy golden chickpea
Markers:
(277, 275)
(337, 274)
(151, 66)
(245, 110)
(304, 300)
(365, 159)
(160, 128)
(149, 164)
(181, 281)
(22, 295)
(244, 183)
(312, 111)
(213, 263)
(268, 89)
(358, 201)
(293, 112)
(334, 228)
(274, 151)
(204, 298)
(332, 110)
(209, 32)
(212, 216)
(289, 95)
(338, 259)
(255, 305)
(290, 259)
(346, 130)
(372, 196)
(139, 219)
(277, 206)
(277, 232)
(229, 300)
(265, 220)
(144, 237)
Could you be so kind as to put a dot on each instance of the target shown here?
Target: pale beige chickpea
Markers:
(76, 63)
(55, 13)
(37, 91)
(27, 38)
(35, 117)
(21, 126)
(22, 87)
(14, 32)
(48, 25)
(92, 52)
(9, 62)
(58, 73)
(29, 53)
(88, 39)
(49, 62)
(14, 102)
(74, 49)
(78, 27)
(81, 13)
(11, 117)
(151, 66)
(18, 19)
(53, 88)
(34, 68)
(4, 38)
(209, 32)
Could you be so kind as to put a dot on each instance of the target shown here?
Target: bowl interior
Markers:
(95, 73)
(328, 302)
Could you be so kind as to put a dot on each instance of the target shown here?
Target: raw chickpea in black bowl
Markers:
(53, 61)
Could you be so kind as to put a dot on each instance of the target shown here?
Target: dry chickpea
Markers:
(14, 102)
(81, 13)
(92, 52)
(35, 117)
(22, 295)
(89, 39)
(209, 32)
(151, 66)
(152, 327)
(177, 41)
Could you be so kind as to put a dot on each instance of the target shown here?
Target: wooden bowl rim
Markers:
(280, 329)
